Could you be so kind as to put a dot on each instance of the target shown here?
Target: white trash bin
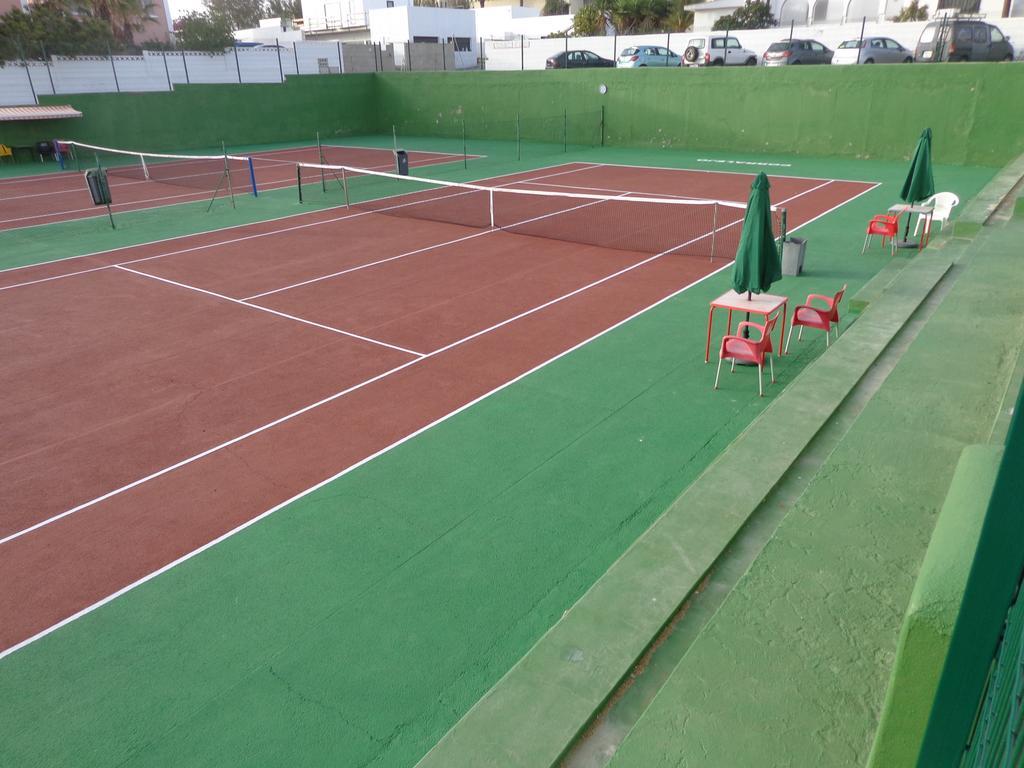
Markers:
(793, 249)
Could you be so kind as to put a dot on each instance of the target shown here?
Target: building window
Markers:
(391, 4)
(461, 44)
(423, 39)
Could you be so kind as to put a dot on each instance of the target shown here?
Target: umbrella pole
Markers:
(746, 329)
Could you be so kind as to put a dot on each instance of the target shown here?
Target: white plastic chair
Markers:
(943, 204)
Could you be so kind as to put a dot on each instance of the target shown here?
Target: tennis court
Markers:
(309, 462)
(168, 179)
(326, 338)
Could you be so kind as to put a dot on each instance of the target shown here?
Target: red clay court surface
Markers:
(27, 201)
(151, 407)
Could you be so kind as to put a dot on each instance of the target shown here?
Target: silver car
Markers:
(872, 50)
(648, 56)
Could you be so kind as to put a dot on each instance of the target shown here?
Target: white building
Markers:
(462, 28)
(816, 12)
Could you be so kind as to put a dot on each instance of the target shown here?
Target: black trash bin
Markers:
(99, 188)
(401, 162)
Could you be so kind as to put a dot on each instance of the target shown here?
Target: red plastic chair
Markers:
(885, 226)
(809, 316)
(749, 350)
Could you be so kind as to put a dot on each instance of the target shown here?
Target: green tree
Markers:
(237, 14)
(679, 19)
(588, 22)
(555, 8)
(632, 17)
(201, 32)
(124, 17)
(754, 15)
(284, 9)
(50, 26)
(913, 11)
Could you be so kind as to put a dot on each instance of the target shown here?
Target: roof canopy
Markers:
(38, 113)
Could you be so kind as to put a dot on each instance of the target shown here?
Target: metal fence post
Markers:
(444, 64)
(482, 58)
(668, 45)
(280, 66)
(167, 71)
(408, 55)
(184, 63)
(31, 85)
(117, 85)
(522, 52)
(238, 67)
(49, 72)
(295, 54)
(341, 61)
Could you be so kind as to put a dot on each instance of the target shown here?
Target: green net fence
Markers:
(976, 718)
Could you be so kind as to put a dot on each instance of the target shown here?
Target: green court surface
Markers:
(836, 578)
(358, 624)
(476, 593)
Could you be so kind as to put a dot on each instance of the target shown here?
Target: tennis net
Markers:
(206, 173)
(654, 225)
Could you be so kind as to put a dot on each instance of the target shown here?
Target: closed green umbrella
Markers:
(757, 259)
(920, 181)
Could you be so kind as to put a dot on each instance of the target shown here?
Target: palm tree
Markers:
(125, 17)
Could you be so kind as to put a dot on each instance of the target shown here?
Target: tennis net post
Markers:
(320, 154)
(714, 229)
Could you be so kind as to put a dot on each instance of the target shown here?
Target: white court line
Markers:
(256, 234)
(223, 537)
(259, 223)
(328, 399)
(271, 311)
(252, 521)
(201, 196)
(257, 155)
(733, 173)
(606, 190)
(427, 248)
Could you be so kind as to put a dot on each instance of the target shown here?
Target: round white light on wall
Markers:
(602, 89)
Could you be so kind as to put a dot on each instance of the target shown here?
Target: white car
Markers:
(717, 51)
(872, 50)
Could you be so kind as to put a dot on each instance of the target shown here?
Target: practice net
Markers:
(211, 174)
(651, 225)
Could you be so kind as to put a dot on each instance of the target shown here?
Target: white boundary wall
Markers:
(159, 71)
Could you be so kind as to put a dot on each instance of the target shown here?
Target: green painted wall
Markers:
(933, 608)
(201, 116)
(878, 112)
(871, 112)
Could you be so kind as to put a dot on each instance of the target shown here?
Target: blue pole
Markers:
(252, 178)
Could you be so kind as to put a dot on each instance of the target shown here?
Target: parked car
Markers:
(796, 52)
(647, 56)
(962, 40)
(872, 50)
(574, 59)
(717, 51)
